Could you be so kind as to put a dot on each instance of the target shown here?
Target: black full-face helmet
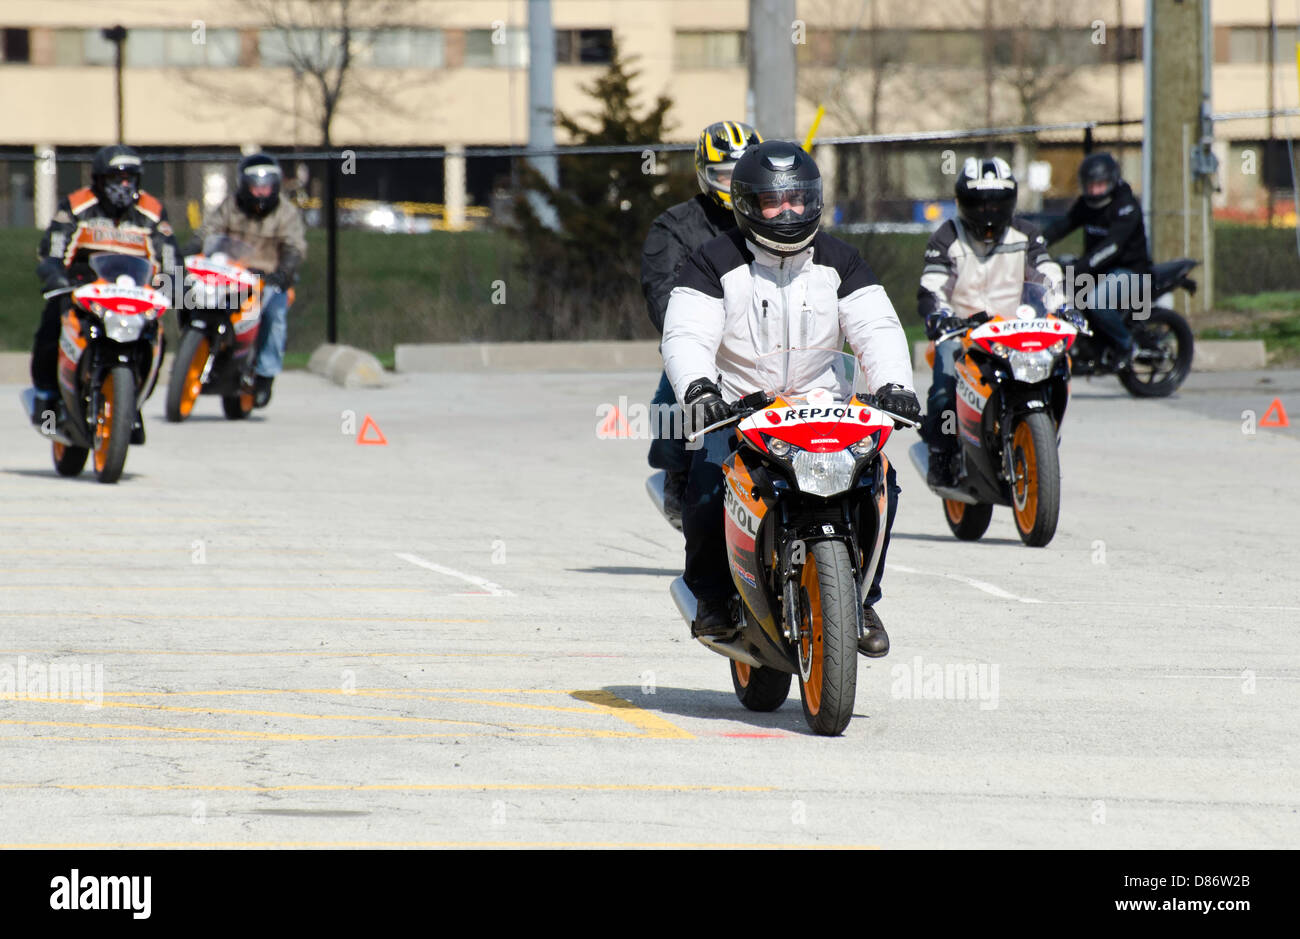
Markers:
(1098, 177)
(115, 177)
(986, 198)
(257, 187)
(776, 196)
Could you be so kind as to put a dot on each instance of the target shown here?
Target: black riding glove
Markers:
(704, 404)
(940, 322)
(278, 279)
(1074, 318)
(57, 281)
(898, 400)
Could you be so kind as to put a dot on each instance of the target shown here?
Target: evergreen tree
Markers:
(584, 280)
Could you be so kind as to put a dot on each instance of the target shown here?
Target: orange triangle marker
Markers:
(1278, 418)
(614, 426)
(368, 424)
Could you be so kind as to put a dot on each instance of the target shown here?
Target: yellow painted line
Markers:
(395, 787)
(248, 735)
(651, 724)
(358, 692)
(679, 845)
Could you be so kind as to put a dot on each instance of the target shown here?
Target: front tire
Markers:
(759, 688)
(187, 374)
(237, 406)
(968, 522)
(113, 420)
(828, 638)
(1167, 334)
(68, 460)
(1036, 474)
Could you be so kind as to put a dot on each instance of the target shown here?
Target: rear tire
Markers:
(113, 423)
(186, 384)
(968, 522)
(238, 406)
(1164, 330)
(828, 680)
(759, 688)
(69, 460)
(1036, 469)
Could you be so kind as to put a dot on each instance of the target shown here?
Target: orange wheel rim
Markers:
(246, 402)
(58, 451)
(194, 377)
(1025, 502)
(956, 510)
(104, 423)
(742, 674)
(810, 639)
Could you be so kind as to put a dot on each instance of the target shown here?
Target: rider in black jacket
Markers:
(673, 236)
(1114, 245)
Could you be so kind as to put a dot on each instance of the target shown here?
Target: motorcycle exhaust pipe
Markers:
(654, 488)
(27, 397)
(920, 454)
(683, 599)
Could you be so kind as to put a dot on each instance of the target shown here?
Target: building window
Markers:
(281, 48)
(96, 50)
(712, 49)
(181, 48)
(1248, 45)
(402, 48)
(584, 46)
(15, 45)
(496, 48)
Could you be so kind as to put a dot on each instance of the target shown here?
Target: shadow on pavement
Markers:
(645, 571)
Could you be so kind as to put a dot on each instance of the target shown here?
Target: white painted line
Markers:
(491, 589)
(968, 581)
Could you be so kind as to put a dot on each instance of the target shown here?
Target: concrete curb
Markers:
(346, 366)
(638, 355)
(1209, 355)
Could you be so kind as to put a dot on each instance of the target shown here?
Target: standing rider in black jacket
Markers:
(1115, 253)
(673, 236)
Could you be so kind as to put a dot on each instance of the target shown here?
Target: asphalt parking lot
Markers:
(463, 637)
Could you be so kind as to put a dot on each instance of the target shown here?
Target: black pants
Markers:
(45, 349)
(707, 572)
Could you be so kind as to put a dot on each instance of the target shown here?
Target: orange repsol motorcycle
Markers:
(219, 329)
(110, 351)
(1013, 384)
(805, 514)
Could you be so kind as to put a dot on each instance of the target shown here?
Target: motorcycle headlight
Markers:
(778, 447)
(823, 474)
(121, 328)
(866, 446)
(1031, 367)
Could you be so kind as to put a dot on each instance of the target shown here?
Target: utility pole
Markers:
(1179, 166)
(772, 67)
(541, 104)
(1272, 106)
(117, 36)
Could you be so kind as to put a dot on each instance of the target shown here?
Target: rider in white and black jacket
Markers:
(773, 284)
(975, 264)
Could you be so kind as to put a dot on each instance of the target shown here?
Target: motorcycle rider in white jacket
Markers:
(774, 283)
(975, 265)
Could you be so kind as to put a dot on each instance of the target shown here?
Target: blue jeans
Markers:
(273, 333)
(1106, 314)
(707, 572)
(667, 453)
(942, 398)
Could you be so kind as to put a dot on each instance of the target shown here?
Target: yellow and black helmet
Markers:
(721, 145)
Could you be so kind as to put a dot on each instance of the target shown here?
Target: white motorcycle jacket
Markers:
(963, 276)
(736, 302)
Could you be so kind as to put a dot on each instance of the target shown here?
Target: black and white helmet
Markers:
(776, 196)
(986, 198)
(257, 189)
